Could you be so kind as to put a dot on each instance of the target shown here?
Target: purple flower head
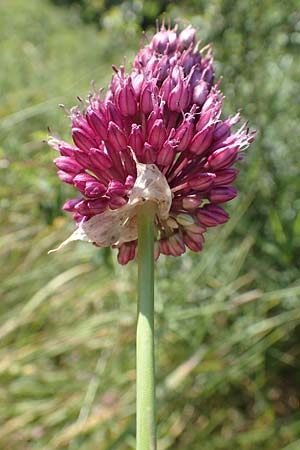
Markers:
(156, 135)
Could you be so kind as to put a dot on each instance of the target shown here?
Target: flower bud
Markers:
(176, 245)
(185, 219)
(81, 179)
(202, 181)
(160, 41)
(147, 97)
(157, 134)
(98, 122)
(82, 139)
(116, 202)
(64, 176)
(136, 140)
(116, 188)
(126, 252)
(191, 202)
(222, 157)
(126, 100)
(129, 182)
(100, 158)
(69, 205)
(201, 141)
(148, 154)
(166, 88)
(116, 137)
(225, 176)
(68, 164)
(200, 93)
(164, 247)
(184, 134)
(97, 206)
(208, 75)
(114, 114)
(179, 97)
(222, 194)
(196, 229)
(191, 243)
(94, 189)
(172, 38)
(65, 149)
(166, 155)
(186, 38)
(162, 68)
(212, 215)
(137, 83)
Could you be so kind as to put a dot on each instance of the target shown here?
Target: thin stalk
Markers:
(145, 374)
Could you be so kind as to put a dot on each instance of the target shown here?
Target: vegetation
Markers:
(227, 320)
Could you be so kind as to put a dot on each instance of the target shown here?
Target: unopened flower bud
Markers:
(222, 194)
(68, 164)
(160, 41)
(201, 141)
(202, 181)
(116, 202)
(82, 139)
(100, 158)
(126, 100)
(166, 154)
(185, 219)
(212, 215)
(191, 202)
(186, 38)
(147, 97)
(149, 154)
(192, 244)
(136, 141)
(94, 189)
(116, 137)
(66, 177)
(222, 157)
(116, 188)
(200, 93)
(184, 134)
(97, 206)
(157, 134)
(225, 176)
(98, 122)
(179, 97)
(69, 205)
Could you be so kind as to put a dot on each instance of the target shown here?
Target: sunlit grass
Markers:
(227, 319)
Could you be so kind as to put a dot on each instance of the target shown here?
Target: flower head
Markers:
(156, 135)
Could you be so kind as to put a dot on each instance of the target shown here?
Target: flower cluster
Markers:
(165, 113)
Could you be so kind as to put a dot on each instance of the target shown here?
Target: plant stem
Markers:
(145, 374)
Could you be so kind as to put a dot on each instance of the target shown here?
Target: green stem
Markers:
(145, 384)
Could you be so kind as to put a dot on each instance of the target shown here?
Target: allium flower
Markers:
(156, 135)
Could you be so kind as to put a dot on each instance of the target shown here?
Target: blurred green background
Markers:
(227, 320)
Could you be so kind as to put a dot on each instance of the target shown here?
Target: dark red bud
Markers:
(223, 157)
(202, 140)
(157, 134)
(212, 215)
(222, 194)
(202, 181)
(136, 140)
(68, 164)
(186, 38)
(82, 139)
(225, 176)
(116, 137)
